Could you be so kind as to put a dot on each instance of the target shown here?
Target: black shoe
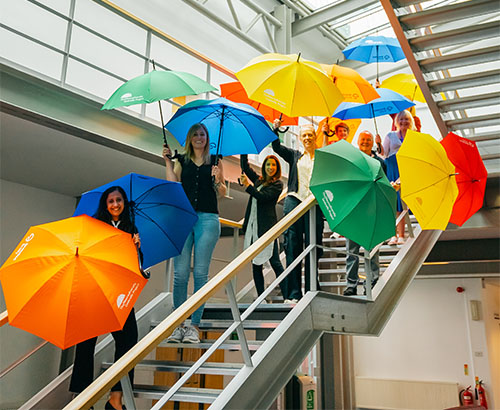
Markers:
(350, 291)
(109, 406)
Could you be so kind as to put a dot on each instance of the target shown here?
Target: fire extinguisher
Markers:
(466, 397)
(482, 395)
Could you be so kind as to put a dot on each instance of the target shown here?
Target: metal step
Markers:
(446, 14)
(486, 136)
(474, 101)
(382, 259)
(207, 343)
(342, 271)
(184, 394)
(461, 35)
(465, 81)
(466, 58)
(406, 3)
(474, 122)
(215, 368)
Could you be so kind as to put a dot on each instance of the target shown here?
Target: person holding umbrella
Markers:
(365, 144)
(114, 209)
(202, 181)
(341, 132)
(389, 148)
(260, 214)
(301, 166)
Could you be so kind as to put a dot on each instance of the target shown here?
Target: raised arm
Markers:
(220, 182)
(268, 193)
(171, 174)
(247, 169)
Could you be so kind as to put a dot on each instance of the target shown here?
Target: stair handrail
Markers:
(122, 366)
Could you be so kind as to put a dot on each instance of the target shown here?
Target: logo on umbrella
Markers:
(122, 301)
(24, 245)
(327, 201)
(128, 97)
(269, 92)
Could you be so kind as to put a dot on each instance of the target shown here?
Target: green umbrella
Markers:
(157, 86)
(354, 194)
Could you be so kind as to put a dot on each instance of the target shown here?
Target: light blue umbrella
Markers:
(390, 102)
(159, 209)
(374, 49)
(234, 128)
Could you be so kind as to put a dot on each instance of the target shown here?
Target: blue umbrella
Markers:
(160, 210)
(234, 128)
(373, 49)
(390, 102)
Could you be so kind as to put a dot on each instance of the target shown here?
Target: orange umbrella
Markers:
(70, 280)
(235, 92)
(332, 122)
(352, 86)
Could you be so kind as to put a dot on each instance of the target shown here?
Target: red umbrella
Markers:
(236, 93)
(471, 178)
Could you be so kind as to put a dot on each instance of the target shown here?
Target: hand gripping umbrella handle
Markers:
(282, 130)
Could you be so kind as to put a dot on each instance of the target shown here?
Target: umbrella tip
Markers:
(298, 57)
(76, 254)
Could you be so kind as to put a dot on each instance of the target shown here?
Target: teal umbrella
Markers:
(157, 86)
(354, 194)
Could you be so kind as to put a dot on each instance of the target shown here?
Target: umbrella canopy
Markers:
(233, 128)
(332, 122)
(160, 210)
(156, 86)
(390, 102)
(70, 280)
(404, 84)
(289, 84)
(354, 194)
(373, 49)
(235, 92)
(471, 177)
(352, 85)
(428, 183)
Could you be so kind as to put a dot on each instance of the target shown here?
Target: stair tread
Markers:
(218, 368)
(207, 343)
(184, 394)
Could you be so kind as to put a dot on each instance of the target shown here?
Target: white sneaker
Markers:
(291, 301)
(191, 335)
(177, 335)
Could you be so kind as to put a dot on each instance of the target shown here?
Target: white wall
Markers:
(491, 310)
(20, 207)
(430, 337)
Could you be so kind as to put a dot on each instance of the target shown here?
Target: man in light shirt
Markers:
(297, 235)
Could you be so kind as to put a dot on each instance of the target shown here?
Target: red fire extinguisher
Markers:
(466, 397)
(482, 395)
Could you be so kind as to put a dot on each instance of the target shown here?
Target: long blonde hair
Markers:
(407, 113)
(188, 146)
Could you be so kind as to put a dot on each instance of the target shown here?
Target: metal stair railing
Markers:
(119, 370)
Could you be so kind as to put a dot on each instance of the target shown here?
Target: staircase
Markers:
(453, 51)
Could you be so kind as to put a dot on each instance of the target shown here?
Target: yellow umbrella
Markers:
(404, 84)
(428, 183)
(351, 84)
(291, 85)
(332, 122)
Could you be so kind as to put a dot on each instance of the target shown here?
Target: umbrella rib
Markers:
(425, 162)
(428, 186)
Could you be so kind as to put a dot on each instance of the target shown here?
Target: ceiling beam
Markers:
(329, 13)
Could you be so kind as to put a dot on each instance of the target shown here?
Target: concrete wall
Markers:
(431, 336)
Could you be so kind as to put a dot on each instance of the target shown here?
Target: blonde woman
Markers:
(203, 182)
(390, 146)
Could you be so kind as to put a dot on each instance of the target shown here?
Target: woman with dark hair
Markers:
(260, 214)
(202, 181)
(114, 209)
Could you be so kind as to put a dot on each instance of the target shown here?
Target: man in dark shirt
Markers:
(365, 144)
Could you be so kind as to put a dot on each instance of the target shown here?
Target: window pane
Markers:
(35, 22)
(31, 55)
(111, 25)
(62, 6)
(217, 78)
(105, 55)
(176, 59)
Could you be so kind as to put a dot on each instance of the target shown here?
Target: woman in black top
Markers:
(260, 215)
(114, 210)
(202, 181)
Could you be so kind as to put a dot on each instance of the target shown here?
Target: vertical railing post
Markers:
(407, 220)
(313, 264)
(236, 235)
(67, 43)
(169, 273)
(128, 393)
(146, 67)
(368, 274)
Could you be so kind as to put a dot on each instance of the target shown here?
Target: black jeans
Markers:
(296, 236)
(275, 262)
(83, 368)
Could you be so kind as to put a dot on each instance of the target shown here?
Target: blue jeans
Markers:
(352, 265)
(203, 237)
(296, 236)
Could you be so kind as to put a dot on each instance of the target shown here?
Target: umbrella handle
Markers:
(283, 130)
(329, 134)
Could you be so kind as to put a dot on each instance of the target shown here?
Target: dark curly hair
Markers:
(102, 213)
